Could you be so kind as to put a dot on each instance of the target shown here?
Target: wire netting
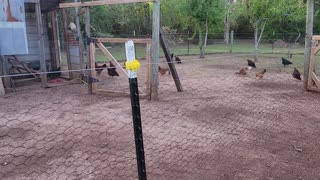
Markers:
(222, 126)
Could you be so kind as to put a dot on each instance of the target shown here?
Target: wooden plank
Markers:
(2, 90)
(315, 79)
(172, 67)
(311, 69)
(66, 42)
(315, 50)
(316, 37)
(155, 50)
(123, 40)
(99, 3)
(92, 61)
(55, 38)
(43, 66)
(308, 42)
(148, 58)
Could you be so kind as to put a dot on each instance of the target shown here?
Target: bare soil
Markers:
(223, 126)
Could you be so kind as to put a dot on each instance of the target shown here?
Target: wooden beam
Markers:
(43, 66)
(316, 37)
(171, 65)
(108, 54)
(123, 40)
(55, 38)
(148, 59)
(88, 34)
(315, 79)
(315, 50)
(2, 91)
(155, 50)
(81, 46)
(66, 41)
(99, 3)
(92, 64)
(308, 42)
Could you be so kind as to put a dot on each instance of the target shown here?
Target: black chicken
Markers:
(285, 62)
(251, 63)
(296, 74)
(112, 70)
(178, 60)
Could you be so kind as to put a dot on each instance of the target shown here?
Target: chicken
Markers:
(260, 74)
(251, 64)
(99, 69)
(54, 73)
(178, 60)
(163, 71)
(72, 27)
(243, 71)
(285, 62)
(112, 70)
(296, 74)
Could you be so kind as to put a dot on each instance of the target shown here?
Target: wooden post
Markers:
(55, 38)
(92, 48)
(81, 48)
(170, 63)
(2, 91)
(308, 41)
(41, 45)
(66, 42)
(231, 41)
(88, 34)
(155, 50)
(148, 58)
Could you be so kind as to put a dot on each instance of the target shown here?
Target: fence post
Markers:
(133, 65)
(231, 41)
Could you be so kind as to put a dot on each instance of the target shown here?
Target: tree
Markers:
(203, 14)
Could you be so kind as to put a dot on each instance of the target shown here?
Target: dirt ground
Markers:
(223, 126)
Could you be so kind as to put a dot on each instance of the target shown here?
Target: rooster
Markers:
(260, 74)
(163, 71)
(243, 71)
(285, 62)
(296, 74)
(251, 64)
(98, 68)
(112, 70)
(178, 60)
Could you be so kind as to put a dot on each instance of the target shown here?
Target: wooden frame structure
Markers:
(313, 79)
(99, 43)
(153, 80)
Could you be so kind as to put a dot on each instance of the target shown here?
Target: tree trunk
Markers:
(256, 43)
(204, 45)
(227, 25)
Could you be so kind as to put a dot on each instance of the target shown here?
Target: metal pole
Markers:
(308, 41)
(155, 50)
(136, 115)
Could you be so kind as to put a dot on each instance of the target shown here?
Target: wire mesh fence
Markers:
(222, 126)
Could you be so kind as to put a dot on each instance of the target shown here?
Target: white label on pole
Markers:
(130, 55)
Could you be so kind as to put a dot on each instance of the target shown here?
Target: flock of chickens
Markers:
(163, 71)
(295, 74)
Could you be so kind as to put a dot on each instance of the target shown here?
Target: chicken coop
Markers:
(50, 45)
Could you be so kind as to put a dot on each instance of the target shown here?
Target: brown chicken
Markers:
(296, 74)
(99, 68)
(163, 71)
(112, 70)
(243, 71)
(260, 74)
